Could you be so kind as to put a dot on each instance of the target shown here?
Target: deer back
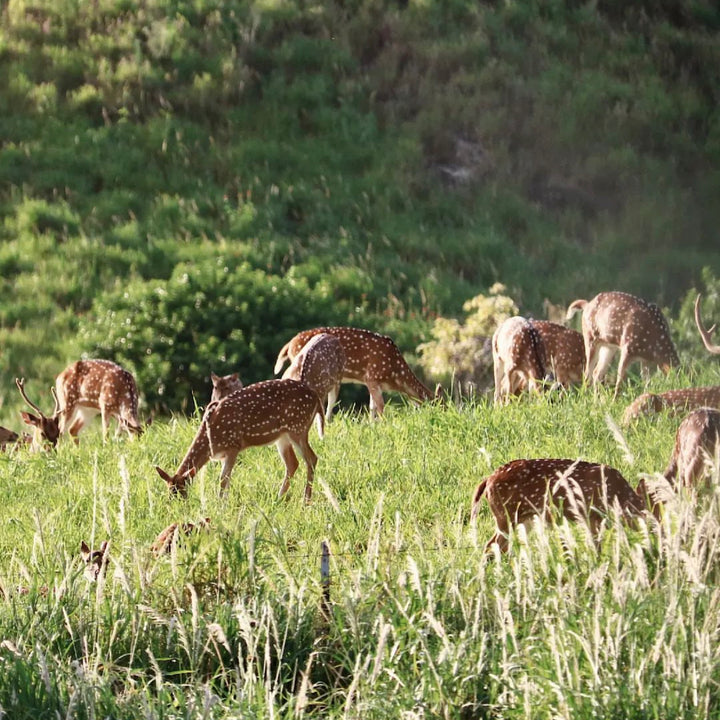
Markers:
(259, 414)
(522, 489)
(319, 364)
(697, 438)
(564, 351)
(620, 319)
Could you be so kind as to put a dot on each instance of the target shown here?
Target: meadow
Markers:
(420, 622)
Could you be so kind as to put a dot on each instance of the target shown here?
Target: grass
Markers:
(421, 622)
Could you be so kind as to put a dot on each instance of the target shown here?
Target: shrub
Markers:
(206, 316)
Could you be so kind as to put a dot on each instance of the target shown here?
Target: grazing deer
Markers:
(163, 542)
(224, 385)
(12, 439)
(518, 354)
(96, 561)
(320, 365)
(564, 351)
(82, 390)
(371, 359)
(672, 400)
(617, 320)
(706, 335)
(522, 489)
(697, 443)
(272, 411)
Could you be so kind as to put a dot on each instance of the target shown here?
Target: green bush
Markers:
(207, 316)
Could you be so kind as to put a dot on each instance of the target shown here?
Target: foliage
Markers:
(461, 353)
(218, 315)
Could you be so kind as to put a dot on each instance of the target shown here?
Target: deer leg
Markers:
(227, 466)
(622, 369)
(308, 455)
(604, 357)
(331, 400)
(498, 372)
(285, 448)
(377, 404)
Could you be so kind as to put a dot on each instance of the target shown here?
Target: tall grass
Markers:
(420, 622)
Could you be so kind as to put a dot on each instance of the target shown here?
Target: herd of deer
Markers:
(527, 354)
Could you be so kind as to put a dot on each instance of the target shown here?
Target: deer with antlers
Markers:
(84, 389)
(272, 411)
(320, 364)
(518, 357)
(371, 359)
(706, 335)
(614, 321)
(522, 489)
(697, 446)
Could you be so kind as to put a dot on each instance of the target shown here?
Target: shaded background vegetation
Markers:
(184, 185)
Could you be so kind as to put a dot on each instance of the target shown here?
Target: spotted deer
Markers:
(371, 359)
(172, 533)
(518, 355)
(320, 364)
(706, 335)
(617, 320)
(82, 390)
(272, 411)
(697, 446)
(564, 351)
(96, 561)
(523, 489)
(10, 439)
(224, 385)
(674, 401)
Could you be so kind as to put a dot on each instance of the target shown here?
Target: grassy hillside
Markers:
(366, 162)
(420, 621)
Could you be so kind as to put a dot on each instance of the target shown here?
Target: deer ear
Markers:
(165, 476)
(214, 378)
(30, 419)
(84, 550)
(234, 376)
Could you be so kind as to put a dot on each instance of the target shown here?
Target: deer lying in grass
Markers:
(518, 354)
(697, 447)
(10, 439)
(96, 561)
(224, 385)
(320, 364)
(272, 411)
(371, 359)
(617, 320)
(522, 489)
(82, 390)
(172, 533)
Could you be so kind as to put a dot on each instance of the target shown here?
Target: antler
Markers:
(706, 335)
(20, 382)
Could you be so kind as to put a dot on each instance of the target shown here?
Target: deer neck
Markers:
(198, 453)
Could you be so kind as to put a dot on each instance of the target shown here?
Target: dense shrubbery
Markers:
(206, 316)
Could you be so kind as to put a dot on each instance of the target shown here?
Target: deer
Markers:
(617, 320)
(172, 533)
(10, 439)
(371, 359)
(224, 385)
(674, 401)
(697, 443)
(96, 561)
(518, 357)
(320, 364)
(271, 411)
(84, 389)
(564, 351)
(579, 490)
(706, 335)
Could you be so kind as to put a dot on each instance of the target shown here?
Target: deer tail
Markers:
(282, 357)
(479, 492)
(575, 307)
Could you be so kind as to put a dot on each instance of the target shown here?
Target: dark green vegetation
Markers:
(184, 184)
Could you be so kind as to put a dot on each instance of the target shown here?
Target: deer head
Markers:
(273, 411)
(224, 385)
(614, 321)
(522, 489)
(320, 364)
(706, 335)
(95, 560)
(697, 442)
(518, 357)
(48, 428)
(371, 359)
